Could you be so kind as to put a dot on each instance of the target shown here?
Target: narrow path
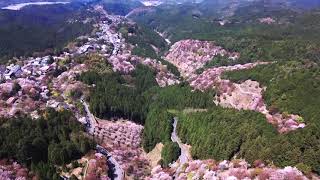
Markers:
(91, 120)
(185, 152)
(117, 172)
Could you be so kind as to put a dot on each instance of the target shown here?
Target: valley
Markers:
(126, 99)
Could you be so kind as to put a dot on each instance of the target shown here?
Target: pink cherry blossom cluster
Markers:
(122, 138)
(164, 77)
(123, 63)
(190, 55)
(25, 100)
(233, 170)
(247, 95)
(267, 20)
(10, 170)
(97, 168)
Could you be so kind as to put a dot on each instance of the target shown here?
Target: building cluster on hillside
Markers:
(24, 86)
(33, 84)
(119, 55)
(31, 67)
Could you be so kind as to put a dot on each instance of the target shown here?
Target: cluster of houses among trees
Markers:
(131, 81)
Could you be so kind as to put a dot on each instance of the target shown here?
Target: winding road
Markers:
(90, 119)
(117, 171)
(185, 152)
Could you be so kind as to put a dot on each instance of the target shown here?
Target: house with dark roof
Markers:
(13, 71)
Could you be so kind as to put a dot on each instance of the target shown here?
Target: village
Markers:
(38, 81)
(30, 85)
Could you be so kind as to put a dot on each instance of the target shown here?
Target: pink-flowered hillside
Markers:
(190, 55)
(225, 170)
(123, 138)
(11, 170)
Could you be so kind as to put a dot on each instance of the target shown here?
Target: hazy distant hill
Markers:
(120, 7)
(39, 28)
(305, 4)
(8, 2)
(298, 4)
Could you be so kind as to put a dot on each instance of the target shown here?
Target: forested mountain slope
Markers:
(120, 7)
(5, 2)
(288, 38)
(215, 89)
(38, 29)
